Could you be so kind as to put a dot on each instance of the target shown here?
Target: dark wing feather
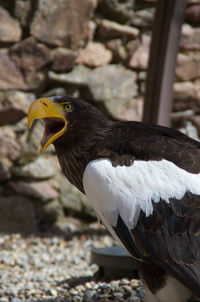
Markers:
(175, 244)
(148, 142)
(125, 236)
(170, 239)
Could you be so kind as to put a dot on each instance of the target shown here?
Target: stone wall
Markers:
(96, 49)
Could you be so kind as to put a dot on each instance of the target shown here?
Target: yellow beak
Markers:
(53, 115)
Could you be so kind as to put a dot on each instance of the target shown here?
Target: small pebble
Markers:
(53, 292)
(76, 299)
(15, 300)
(133, 299)
(88, 294)
(127, 288)
(73, 292)
(124, 281)
(117, 296)
(134, 283)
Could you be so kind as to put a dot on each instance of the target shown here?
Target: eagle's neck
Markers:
(75, 155)
(73, 164)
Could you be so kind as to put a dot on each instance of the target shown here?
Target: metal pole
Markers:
(161, 71)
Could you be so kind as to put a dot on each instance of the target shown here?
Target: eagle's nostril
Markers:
(44, 104)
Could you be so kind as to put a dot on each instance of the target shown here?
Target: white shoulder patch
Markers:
(128, 190)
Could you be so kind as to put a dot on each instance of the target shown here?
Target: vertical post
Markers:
(169, 17)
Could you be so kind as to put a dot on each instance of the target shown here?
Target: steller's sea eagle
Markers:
(144, 184)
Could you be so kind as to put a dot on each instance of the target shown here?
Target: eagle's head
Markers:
(63, 115)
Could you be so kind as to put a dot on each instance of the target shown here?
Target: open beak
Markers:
(53, 117)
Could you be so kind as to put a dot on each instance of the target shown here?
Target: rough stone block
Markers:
(63, 22)
(112, 30)
(14, 106)
(95, 54)
(11, 77)
(10, 30)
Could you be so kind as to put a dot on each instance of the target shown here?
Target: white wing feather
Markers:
(128, 190)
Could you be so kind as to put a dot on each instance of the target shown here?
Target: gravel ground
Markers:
(51, 268)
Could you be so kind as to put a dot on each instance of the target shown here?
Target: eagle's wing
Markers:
(153, 208)
(150, 142)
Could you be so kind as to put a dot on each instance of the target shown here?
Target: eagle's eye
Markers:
(67, 107)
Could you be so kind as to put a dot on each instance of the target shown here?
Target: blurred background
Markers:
(95, 49)
(98, 50)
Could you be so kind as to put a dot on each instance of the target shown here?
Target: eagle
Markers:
(143, 181)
